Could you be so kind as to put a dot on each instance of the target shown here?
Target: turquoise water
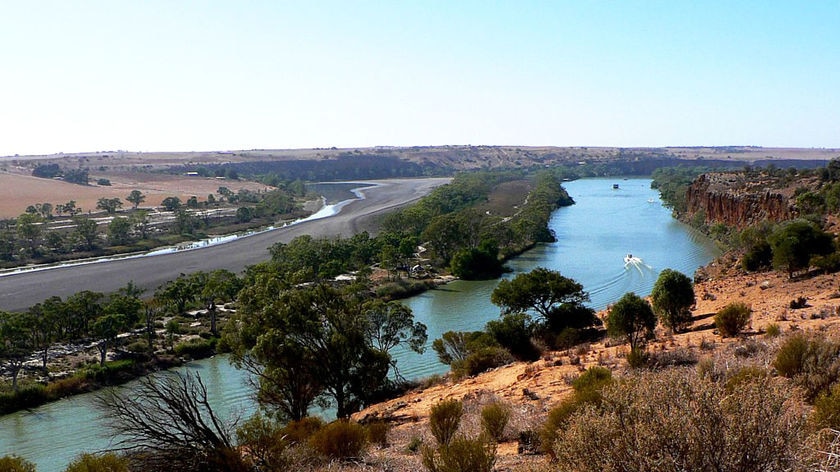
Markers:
(594, 235)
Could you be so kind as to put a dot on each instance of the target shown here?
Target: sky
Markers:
(86, 76)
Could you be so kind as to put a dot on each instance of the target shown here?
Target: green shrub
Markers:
(13, 463)
(759, 256)
(812, 362)
(29, 395)
(69, 386)
(494, 419)
(772, 330)
(265, 442)
(298, 432)
(674, 417)
(732, 319)
(567, 339)
(513, 332)
(107, 372)
(745, 375)
(637, 358)
(790, 359)
(593, 379)
(340, 440)
(108, 462)
(414, 445)
(444, 419)
(587, 391)
(138, 347)
(461, 455)
(481, 360)
(827, 409)
(196, 348)
(377, 433)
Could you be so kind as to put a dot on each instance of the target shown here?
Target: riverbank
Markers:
(532, 389)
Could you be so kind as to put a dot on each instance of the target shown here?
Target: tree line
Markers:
(47, 232)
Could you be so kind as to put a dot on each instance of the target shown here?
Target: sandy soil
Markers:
(18, 191)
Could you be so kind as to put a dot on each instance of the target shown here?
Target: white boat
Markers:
(628, 258)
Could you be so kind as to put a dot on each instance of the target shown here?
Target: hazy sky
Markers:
(178, 75)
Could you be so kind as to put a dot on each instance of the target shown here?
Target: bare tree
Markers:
(167, 423)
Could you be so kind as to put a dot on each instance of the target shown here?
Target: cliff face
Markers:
(734, 200)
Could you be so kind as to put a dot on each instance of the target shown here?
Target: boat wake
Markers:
(633, 262)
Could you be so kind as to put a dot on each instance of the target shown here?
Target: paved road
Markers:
(19, 291)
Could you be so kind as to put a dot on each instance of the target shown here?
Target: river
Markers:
(593, 237)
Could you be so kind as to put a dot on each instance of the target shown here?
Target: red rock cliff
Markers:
(735, 200)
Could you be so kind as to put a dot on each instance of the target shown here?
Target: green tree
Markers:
(326, 337)
(178, 293)
(219, 286)
(41, 327)
(140, 223)
(119, 231)
(85, 231)
(136, 197)
(794, 243)
(558, 300)
(110, 205)
(672, 297)
(83, 308)
(390, 324)
(106, 328)
(15, 344)
(29, 229)
(631, 318)
(171, 203)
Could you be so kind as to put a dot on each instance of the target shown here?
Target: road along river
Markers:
(21, 289)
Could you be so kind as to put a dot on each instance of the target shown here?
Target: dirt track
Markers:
(19, 291)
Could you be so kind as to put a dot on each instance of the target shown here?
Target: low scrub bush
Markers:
(265, 442)
(772, 330)
(340, 440)
(196, 348)
(732, 319)
(69, 386)
(673, 358)
(790, 359)
(27, 396)
(494, 420)
(481, 360)
(108, 372)
(798, 302)
(587, 391)
(377, 433)
(13, 463)
(813, 363)
(108, 462)
(827, 409)
(744, 375)
(444, 419)
(298, 432)
(461, 455)
(637, 358)
(758, 426)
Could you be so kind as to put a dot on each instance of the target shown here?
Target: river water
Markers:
(594, 236)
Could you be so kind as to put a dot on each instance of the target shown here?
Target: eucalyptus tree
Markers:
(672, 297)
(317, 343)
(15, 344)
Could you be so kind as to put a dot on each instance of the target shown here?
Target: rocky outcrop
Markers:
(736, 200)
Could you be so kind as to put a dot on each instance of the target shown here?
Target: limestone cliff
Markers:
(735, 199)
